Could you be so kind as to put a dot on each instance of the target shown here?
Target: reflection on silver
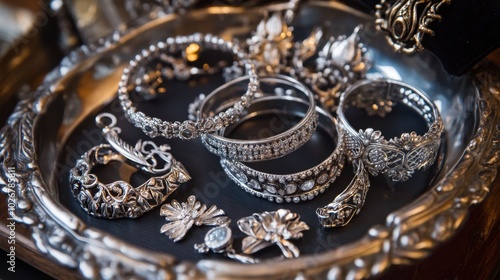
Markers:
(182, 216)
(407, 21)
(137, 8)
(119, 199)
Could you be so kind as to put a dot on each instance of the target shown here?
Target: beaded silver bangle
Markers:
(187, 129)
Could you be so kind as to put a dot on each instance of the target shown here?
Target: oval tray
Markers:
(49, 131)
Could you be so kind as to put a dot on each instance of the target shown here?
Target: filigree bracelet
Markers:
(119, 199)
(370, 152)
(398, 157)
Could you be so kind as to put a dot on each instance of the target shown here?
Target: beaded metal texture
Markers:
(188, 129)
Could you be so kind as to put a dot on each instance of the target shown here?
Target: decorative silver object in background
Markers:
(95, 19)
(119, 199)
(407, 21)
(182, 216)
(138, 8)
(271, 44)
(340, 63)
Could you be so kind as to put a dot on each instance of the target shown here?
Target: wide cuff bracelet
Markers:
(398, 157)
(295, 187)
(265, 148)
(188, 129)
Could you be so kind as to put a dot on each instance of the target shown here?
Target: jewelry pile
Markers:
(316, 81)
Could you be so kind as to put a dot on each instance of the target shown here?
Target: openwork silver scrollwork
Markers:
(398, 157)
(407, 21)
(119, 199)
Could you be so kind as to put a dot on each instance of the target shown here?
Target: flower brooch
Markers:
(263, 229)
(270, 228)
(182, 216)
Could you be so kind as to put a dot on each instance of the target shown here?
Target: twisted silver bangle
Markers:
(399, 157)
(188, 129)
(264, 148)
(303, 185)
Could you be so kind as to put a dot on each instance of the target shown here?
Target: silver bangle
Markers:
(399, 157)
(303, 185)
(188, 129)
(264, 148)
(119, 199)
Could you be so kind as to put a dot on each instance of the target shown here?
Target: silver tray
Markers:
(429, 211)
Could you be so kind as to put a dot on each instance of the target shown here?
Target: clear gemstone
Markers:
(307, 185)
(242, 177)
(218, 123)
(218, 238)
(291, 188)
(270, 188)
(209, 124)
(254, 184)
(322, 178)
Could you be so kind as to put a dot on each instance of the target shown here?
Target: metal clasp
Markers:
(145, 154)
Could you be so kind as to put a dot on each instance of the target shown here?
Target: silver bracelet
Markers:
(347, 204)
(188, 129)
(399, 157)
(119, 199)
(303, 185)
(263, 148)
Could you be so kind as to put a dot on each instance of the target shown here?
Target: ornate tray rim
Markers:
(408, 234)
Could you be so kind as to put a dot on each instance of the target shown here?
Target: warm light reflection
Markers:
(192, 52)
